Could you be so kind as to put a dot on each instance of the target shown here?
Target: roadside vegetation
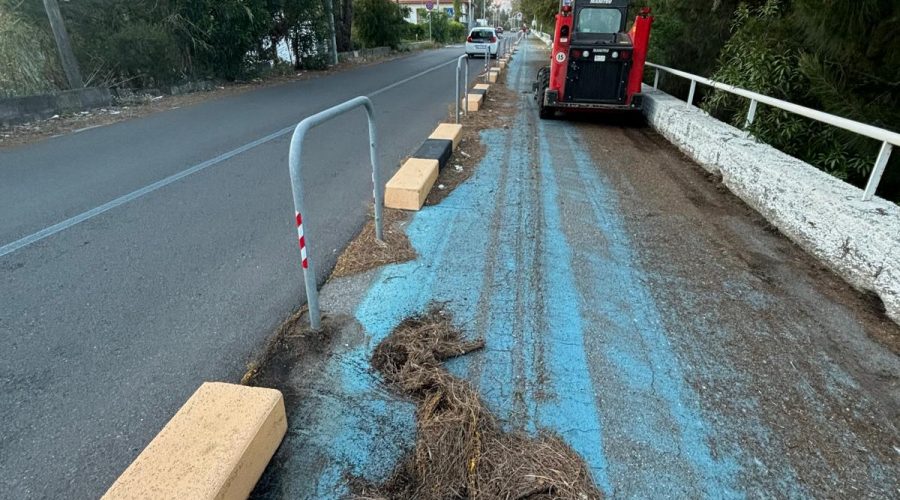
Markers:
(158, 43)
(27, 60)
(837, 56)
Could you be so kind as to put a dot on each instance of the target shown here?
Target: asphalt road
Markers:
(123, 288)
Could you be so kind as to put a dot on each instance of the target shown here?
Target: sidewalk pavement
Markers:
(675, 373)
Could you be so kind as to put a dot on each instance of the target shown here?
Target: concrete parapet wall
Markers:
(355, 55)
(860, 241)
(17, 110)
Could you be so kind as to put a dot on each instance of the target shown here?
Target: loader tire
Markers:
(543, 83)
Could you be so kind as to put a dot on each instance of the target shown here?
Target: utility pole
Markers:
(329, 4)
(66, 56)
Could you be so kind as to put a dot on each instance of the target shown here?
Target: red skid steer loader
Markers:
(595, 64)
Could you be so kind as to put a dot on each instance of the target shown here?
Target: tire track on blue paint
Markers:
(529, 242)
(638, 349)
(522, 411)
(501, 381)
(570, 408)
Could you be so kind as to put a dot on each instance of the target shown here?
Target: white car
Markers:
(482, 38)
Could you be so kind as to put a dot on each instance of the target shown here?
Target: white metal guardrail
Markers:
(888, 138)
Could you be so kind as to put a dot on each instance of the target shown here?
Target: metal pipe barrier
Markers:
(888, 138)
(295, 156)
(459, 61)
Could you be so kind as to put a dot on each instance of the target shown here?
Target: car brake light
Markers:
(469, 39)
(493, 39)
(626, 55)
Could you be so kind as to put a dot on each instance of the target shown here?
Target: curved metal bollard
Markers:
(465, 85)
(309, 274)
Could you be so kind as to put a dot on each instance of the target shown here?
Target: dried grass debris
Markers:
(461, 451)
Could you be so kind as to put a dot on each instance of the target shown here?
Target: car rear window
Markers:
(482, 34)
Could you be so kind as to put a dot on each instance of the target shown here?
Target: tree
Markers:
(378, 23)
(689, 34)
(343, 24)
(840, 58)
(27, 53)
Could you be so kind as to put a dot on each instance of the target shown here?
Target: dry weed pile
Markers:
(365, 252)
(461, 451)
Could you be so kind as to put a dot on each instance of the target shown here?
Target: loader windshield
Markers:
(598, 21)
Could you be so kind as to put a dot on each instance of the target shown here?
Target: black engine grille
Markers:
(596, 81)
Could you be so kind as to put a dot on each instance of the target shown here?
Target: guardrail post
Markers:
(875, 178)
(751, 113)
(295, 165)
(690, 99)
(656, 80)
(487, 62)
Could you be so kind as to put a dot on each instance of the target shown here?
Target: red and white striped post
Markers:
(303, 260)
(296, 153)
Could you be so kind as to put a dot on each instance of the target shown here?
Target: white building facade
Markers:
(445, 6)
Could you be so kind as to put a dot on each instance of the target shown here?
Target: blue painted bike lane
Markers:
(506, 255)
(596, 331)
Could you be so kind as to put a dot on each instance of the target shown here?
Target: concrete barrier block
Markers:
(435, 149)
(493, 75)
(216, 446)
(474, 101)
(482, 86)
(448, 131)
(409, 187)
(502, 64)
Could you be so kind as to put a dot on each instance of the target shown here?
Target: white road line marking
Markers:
(61, 226)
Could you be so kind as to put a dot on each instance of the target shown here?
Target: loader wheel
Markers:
(543, 83)
(546, 112)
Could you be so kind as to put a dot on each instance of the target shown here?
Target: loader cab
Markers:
(598, 22)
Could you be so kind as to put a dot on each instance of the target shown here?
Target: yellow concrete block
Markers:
(492, 76)
(215, 447)
(474, 101)
(482, 86)
(502, 64)
(409, 187)
(448, 131)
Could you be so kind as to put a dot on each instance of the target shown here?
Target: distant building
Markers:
(445, 6)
